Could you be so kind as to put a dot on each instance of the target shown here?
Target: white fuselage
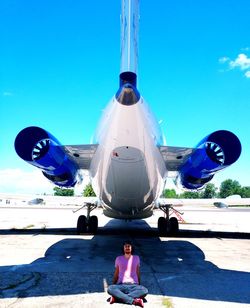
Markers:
(128, 172)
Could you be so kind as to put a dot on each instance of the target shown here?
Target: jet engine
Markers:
(214, 153)
(41, 149)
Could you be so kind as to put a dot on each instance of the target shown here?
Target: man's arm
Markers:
(116, 275)
(138, 274)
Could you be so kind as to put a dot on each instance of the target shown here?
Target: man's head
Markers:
(127, 247)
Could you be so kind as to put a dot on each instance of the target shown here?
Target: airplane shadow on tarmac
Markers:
(174, 267)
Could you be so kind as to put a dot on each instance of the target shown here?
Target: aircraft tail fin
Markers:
(129, 35)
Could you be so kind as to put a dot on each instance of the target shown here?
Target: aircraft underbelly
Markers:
(127, 183)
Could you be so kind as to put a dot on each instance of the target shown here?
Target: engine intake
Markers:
(213, 153)
(42, 150)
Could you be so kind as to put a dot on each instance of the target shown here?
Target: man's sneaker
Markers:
(112, 300)
(138, 302)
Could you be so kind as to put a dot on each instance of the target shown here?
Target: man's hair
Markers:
(129, 243)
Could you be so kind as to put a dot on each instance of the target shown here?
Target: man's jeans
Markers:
(127, 292)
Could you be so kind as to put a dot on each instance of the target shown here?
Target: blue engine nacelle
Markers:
(215, 152)
(39, 148)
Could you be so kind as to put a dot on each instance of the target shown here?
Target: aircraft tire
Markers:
(162, 226)
(173, 225)
(81, 224)
(93, 224)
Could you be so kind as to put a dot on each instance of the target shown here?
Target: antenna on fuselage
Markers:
(129, 35)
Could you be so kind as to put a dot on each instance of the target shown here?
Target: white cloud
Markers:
(241, 62)
(224, 59)
(19, 181)
(247, 74)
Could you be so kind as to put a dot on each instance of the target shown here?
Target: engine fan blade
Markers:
(40, 149)
(215, 152)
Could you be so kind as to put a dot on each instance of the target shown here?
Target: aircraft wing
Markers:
(174, 157)
(81, 154)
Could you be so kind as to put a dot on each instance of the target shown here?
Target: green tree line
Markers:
(227, 188)
(87, 192)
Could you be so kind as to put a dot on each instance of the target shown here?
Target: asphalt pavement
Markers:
(43, 263)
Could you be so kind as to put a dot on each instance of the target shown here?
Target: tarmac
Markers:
(43, 263)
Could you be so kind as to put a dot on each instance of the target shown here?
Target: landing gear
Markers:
(162, 226)
(166, 225)
(173, 225)
(93, 224)
(81, 224)
(87, 224)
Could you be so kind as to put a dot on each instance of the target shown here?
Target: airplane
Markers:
(128, 162)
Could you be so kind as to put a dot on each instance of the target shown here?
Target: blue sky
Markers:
(60, 62)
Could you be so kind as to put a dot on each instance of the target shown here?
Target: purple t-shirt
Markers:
(127, 269)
